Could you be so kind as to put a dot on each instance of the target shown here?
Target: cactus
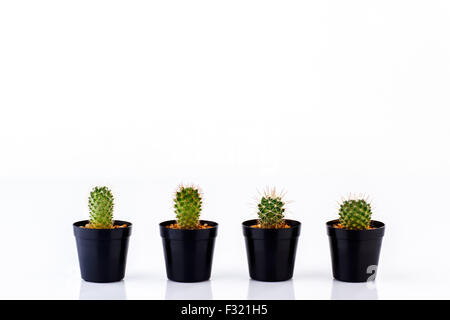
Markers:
(101, 205)
(271, 210)
(188, 204)
(355, 214)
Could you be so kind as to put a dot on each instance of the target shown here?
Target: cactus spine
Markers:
(355, 214)
(101, 205)
(271, 210)
(188, 204)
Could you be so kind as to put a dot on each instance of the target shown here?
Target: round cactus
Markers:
(355, 214)
(271, 210)
(188, 204)
(101, 205)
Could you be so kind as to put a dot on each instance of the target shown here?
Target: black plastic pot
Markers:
(102, 253)
(271, 252)
(188, 253)
(355, 253)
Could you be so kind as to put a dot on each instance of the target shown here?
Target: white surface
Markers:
(320, 98)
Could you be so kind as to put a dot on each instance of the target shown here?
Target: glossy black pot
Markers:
(271, 252)
(188, 253)
(102, 253)
(355, 253)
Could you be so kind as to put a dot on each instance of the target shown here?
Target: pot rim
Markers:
(359, 235)
(381, 226)
(188, 234)
(246, 224)
(211, 224)
(271, 234)
(81, 223)
(102, 234)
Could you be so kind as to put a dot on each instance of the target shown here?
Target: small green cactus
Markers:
(188, 204)
(271, 210)
(355, 214)
(101, 205)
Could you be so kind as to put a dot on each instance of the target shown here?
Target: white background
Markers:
(320, 98)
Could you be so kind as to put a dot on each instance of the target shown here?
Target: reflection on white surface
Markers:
(188, 291)
(354, 291)
(259, 290)
(103, 291)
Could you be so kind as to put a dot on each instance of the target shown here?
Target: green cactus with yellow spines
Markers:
(188, 205)
(271, 210)
(101, 206)
(355, 214)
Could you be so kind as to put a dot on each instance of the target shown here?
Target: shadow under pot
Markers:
(355, 253)
(102, 253)
(271, 252)
(188, 253)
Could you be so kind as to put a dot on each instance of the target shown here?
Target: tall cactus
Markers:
(355, 214)
(271, 210)
(188, 204)
(101, 205)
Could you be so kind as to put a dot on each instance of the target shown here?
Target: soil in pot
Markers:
(102, 253)
(188, 253)
(355, 253)
(271, 252)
